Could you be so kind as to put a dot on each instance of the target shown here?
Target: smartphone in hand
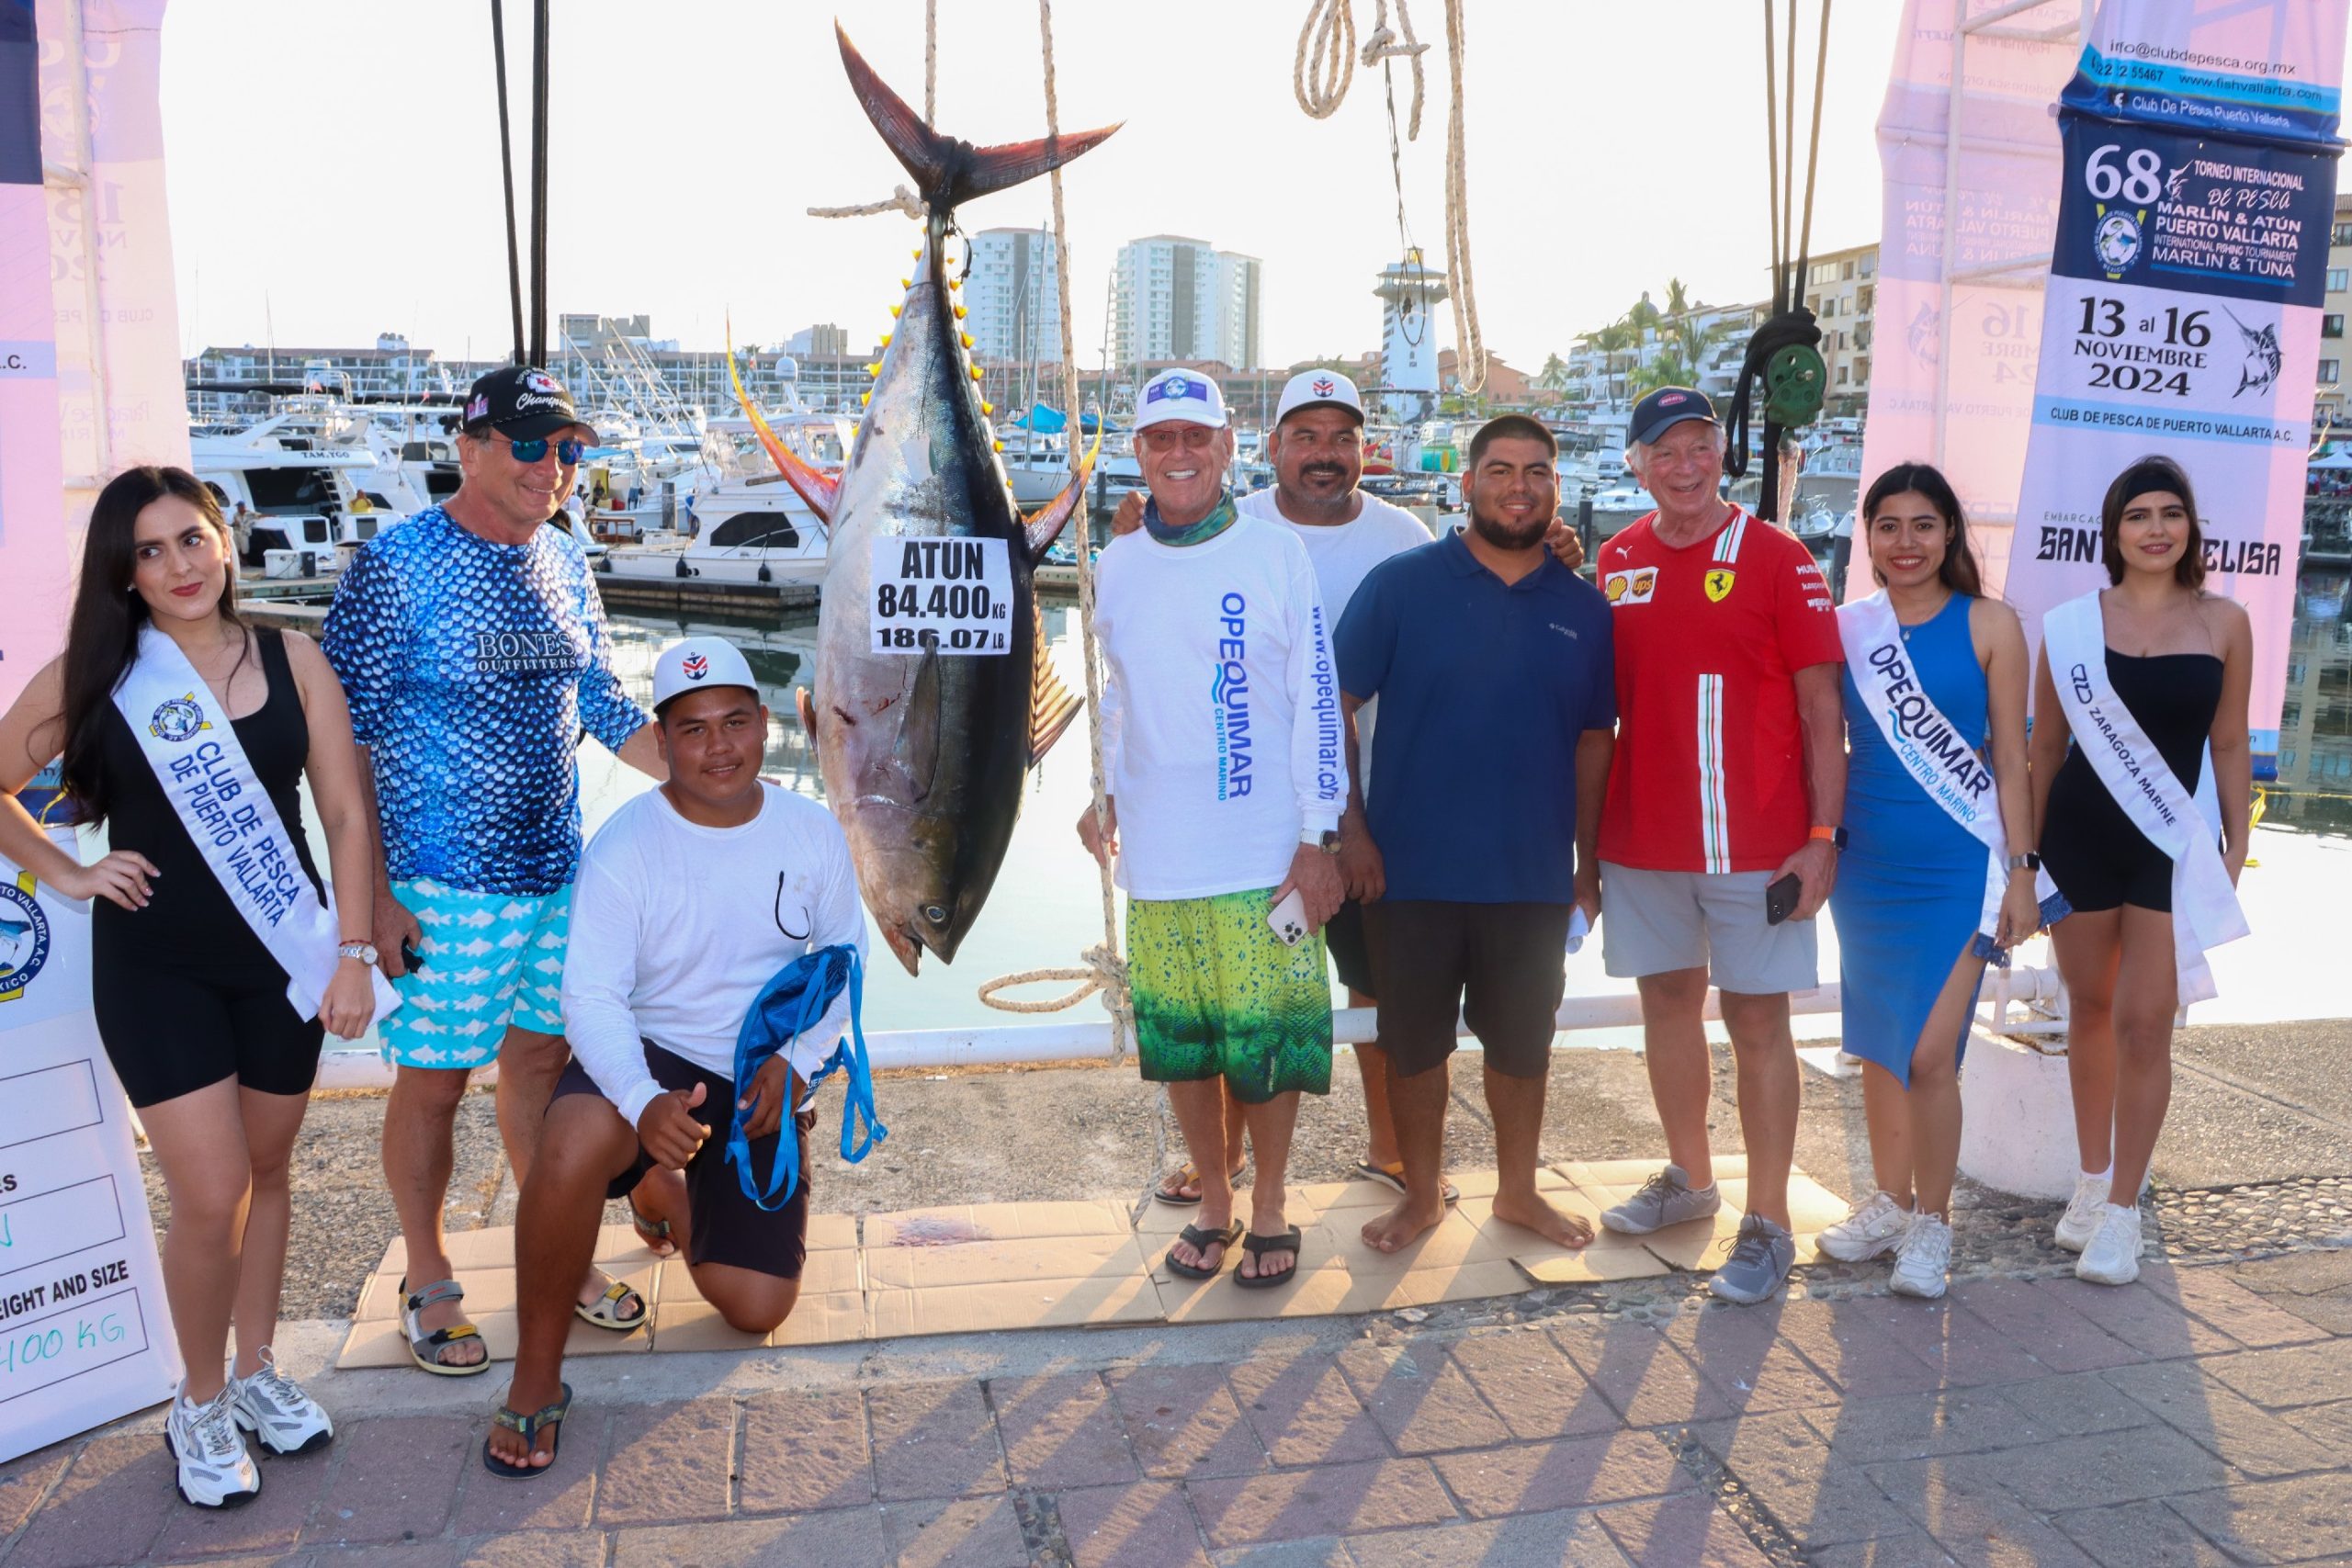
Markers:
(1780, 898)
(1288, 919)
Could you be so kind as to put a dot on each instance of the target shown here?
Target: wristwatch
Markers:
(363, 951)
(1327, 840)
(2026, 862)
(1834, 836)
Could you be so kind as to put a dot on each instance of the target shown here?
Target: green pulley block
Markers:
(1794, 379)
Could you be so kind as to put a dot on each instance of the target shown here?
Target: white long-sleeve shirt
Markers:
(675, 928)
(1222, 735)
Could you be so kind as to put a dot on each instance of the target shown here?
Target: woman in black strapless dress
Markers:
(2180, 660)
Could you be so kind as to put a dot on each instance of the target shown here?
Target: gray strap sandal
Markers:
(424, 1347)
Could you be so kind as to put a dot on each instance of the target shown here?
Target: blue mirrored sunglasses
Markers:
(565, 452)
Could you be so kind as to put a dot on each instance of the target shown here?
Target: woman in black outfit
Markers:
(191, 1006)
(2181, 661)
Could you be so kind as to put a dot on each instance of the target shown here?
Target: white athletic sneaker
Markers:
(274, 1408)
(1922, 1263)
(1874, 1228)
(2081, 1220)
(2113, 1255)
(215, 1470)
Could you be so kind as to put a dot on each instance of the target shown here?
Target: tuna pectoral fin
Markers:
(814, 487)
(1051, 707)
(917, 750)
(1047, 525)
(948, 172)
(807, 712)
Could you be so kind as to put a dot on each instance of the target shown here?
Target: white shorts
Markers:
(1653, 922)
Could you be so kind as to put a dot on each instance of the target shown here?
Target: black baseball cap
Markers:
(521, 402)
(1666, 408)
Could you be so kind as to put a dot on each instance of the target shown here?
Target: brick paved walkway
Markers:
(2185, 1419)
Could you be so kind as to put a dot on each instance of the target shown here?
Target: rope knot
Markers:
(900, 200)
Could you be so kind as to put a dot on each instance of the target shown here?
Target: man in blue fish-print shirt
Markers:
(471, 643)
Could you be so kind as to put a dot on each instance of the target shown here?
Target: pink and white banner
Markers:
(1955, 386)
(90, 375)
(2182, 317)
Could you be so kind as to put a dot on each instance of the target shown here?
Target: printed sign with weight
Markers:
(951, 596)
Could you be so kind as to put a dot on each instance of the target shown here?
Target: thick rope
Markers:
(1320, 71)
(1104, 972)
(1470, 344)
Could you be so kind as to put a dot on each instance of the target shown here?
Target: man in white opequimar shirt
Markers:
(690, 899)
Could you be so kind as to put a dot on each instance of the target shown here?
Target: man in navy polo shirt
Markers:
(1498, 714)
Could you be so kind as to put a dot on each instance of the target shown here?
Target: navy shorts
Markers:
(723, 1225)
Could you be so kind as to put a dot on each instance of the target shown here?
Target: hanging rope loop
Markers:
(900, 200)
(1105, 970)
(1325, 62)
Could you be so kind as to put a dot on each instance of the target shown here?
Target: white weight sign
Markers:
(953, 595)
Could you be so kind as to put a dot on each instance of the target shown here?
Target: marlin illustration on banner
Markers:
(931, 700)
(2263, 359)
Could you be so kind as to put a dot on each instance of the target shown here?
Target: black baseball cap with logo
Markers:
(521, 402)
(1666, 408)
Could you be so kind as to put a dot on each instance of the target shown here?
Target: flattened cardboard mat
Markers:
(989, 1267)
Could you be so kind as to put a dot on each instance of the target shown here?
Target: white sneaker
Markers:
(1922, 1263)
(215, 1470)
(2081, 1220)
(274, 1408)
(1872, 1228)
(2113, 1255)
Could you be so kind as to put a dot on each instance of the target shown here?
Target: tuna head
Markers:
(906, 860)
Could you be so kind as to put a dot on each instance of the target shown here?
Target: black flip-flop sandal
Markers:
(1395, 1180)
(1182, 1173)
(529, 1425)
(1201, 1241)
(1258, 1246)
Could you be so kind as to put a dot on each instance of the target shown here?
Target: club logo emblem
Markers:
(1718, 584)
(2116, 242)
(1323, 387)
(696, 667)
(1177, 387)
(24, 936)
(178, 719)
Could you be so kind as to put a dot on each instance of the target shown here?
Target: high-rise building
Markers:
(1174, 297)
(1015, 310)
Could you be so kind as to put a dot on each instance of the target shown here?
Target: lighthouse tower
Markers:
(1410, 295)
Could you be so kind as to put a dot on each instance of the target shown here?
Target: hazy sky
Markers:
(334, 168)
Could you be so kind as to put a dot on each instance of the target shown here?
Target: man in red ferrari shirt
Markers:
(1730, 775)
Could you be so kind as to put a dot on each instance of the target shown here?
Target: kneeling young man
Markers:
(690, 899)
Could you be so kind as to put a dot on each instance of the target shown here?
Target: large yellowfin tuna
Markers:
(932, 692)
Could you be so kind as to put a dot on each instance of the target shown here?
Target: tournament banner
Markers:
(2183, 308)
(1956, 385)
(86, 1336)
(33, 564)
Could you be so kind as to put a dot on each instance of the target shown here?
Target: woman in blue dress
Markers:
(1912, 895)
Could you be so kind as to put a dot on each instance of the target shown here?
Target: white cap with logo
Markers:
(691, 663)
(1186, 395)
(1309, 388)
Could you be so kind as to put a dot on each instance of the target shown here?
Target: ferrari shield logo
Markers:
(1718, 584)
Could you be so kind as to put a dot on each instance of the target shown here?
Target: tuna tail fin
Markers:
(818, 491)
(1051, 705)
(948, 172)
(1046, 524)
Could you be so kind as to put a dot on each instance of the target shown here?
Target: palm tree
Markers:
(1612, 340)
(1554, 377)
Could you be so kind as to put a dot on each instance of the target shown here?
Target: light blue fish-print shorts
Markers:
(492, 961)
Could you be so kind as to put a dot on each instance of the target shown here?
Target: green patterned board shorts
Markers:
(1218, 994)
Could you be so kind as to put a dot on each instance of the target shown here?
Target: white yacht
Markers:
(738, 520)
(303, 500)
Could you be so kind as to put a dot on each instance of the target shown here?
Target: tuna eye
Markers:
(934, 914)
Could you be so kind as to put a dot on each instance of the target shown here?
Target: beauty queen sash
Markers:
(2205, 912)
(1941, 760)
(210, 782)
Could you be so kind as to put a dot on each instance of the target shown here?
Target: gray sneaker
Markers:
(1758, 1265)
(1665, 1199)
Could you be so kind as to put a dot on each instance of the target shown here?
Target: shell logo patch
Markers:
(1718, 583)
(1635, 587)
